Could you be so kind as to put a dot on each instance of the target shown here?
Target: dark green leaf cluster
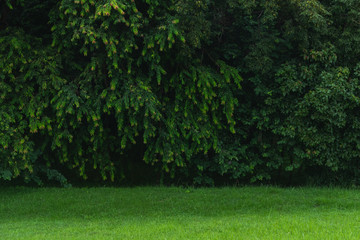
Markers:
(85, 84)
(98, 78)
(298, 117)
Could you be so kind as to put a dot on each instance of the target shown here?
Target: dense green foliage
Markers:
(246, 90)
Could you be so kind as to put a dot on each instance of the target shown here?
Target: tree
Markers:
(86, 84)
(110, 74)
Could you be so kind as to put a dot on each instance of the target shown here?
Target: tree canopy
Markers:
(201, 91)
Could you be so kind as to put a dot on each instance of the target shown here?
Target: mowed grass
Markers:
(178, 213)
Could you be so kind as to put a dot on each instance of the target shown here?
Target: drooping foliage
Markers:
(110, 74)
(201, 91)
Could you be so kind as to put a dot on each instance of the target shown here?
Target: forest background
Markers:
(180, 92)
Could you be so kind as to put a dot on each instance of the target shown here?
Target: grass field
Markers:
(178, 213)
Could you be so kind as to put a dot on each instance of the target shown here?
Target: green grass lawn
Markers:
(177, 213)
